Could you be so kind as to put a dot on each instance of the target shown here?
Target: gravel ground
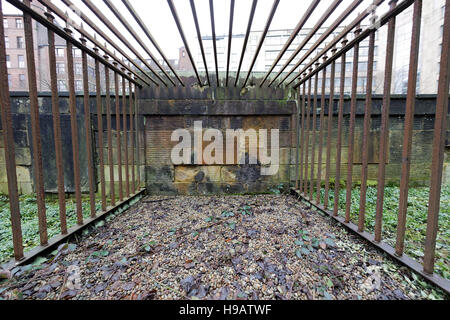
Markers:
(240, 247)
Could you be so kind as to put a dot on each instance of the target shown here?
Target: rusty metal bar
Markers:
(87, 124)
(200, 41)
(213, 29)
(308, 124)
(366, 33)
(138, 39)
(322, 123)
(136, 108)
(366, 135)
(54, 9)
(230, 39)
(54, 242)
(408, 131)
(57, 128)
(297, 140)
(125, 137)
(444, 284)
(291, 39)
(247, 35)
(183, 37)
(74, 128)
(100, 132)
(35, 126)
(330, 130)
(10, 153)
(144, 28)
(336, 40)
(118, 134)
(98, 13)
(331, 8)
(337, 182)
(384, 131)
(55, 28)
(108, 40)
(351, 138)
(263, 38)
(133, 164)
(438, 147)
(109, 135)
(302, 139)
(313, 142)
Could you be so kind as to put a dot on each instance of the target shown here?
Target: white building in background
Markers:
(431, 44)
(430, 49)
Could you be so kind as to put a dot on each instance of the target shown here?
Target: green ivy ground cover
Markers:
(416, 220)
(28, 209)
(415, 235)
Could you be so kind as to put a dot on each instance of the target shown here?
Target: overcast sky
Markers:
(157, 16)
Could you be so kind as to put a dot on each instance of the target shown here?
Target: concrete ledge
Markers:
(213, 107)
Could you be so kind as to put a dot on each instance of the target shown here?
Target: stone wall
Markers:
(163, 110)
(423, 133)
(166, 110)
(23, 144)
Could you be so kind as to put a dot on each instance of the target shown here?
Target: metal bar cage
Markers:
(311, 181)
(126, 129)
(321, 107)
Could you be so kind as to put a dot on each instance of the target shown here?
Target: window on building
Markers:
(20, 43)
(78, 69)
(21, 60)
(62, 85)
(364, 51)
(9, 80)
(78, 85)
(19, 23)
(7, 42)
(8, 61)
(443, 12)
(22, 82)
(362, 67)
(5, 23)
(60, 52)
(77, 53)
(91, 72)
(60, 68)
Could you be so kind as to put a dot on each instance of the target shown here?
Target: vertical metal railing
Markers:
(35, 126)
(308, 175)
(351, 138)
(409, 122)
(438, 146)
(366, 132)
(87, 124)
(57, 127)
(112, 191)
(330, 129)
(337, 180)
(321, 131)
(10, 156)
(100, 142)
(94, 149)
(384, 135)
